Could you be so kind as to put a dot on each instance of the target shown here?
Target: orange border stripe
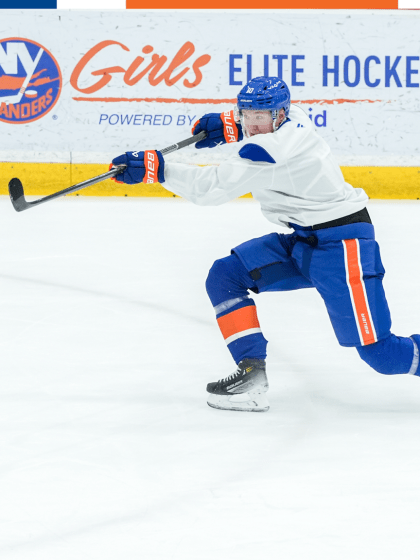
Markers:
(238, 321)
(206, 101)
(268, 5)
(359, 298)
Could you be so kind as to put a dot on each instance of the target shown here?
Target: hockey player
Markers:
(289, 169)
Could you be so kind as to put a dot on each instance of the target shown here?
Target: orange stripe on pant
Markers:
(358, 293)
(240, 321)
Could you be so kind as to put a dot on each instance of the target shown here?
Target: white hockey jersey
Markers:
(291, 172)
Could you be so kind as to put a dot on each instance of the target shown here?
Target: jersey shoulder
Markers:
(274, 148)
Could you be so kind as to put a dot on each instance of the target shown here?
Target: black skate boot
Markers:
(243, 390)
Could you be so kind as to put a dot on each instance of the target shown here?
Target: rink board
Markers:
(140, 79)
(135, 80)
(45, 178)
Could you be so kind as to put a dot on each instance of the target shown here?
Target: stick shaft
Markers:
(23, 205)
(83, 184)
(118, 169)
(184, 143)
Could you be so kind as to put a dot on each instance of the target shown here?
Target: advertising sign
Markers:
(85, 85)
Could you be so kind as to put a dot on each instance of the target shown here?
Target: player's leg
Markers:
(227, 285)
(378, 347)
(348, 273)
(258, 265)
(393, 355)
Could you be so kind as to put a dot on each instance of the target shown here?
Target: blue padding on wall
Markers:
(255, 153)
(28, 4)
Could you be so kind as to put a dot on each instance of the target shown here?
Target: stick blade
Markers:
(17, 195)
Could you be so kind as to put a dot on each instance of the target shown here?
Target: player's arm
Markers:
(253, 168)
(200, 185)
(221, 128)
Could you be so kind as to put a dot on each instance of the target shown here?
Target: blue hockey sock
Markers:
(227, 286)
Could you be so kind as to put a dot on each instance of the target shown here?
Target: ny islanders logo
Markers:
(30, 81)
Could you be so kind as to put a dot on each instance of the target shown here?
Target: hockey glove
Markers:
(142, 167)
(221, 128)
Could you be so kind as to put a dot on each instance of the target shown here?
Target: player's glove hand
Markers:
(142, 167)
(221, 128)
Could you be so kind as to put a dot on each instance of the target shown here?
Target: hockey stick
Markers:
(17, 196)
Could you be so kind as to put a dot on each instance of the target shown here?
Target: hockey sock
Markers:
(227, 286)
(242, 332)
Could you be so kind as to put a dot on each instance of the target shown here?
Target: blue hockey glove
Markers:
(221, 128)
(142, 167)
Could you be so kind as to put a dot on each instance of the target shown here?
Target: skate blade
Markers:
(242, 402)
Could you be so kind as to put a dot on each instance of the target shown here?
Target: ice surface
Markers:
(107, 447)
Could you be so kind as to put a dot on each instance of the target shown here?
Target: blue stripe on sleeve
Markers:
(255, 153)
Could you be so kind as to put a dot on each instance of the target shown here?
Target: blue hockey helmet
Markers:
(265, 93)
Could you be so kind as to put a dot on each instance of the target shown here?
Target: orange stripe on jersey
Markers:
(230, 130)
(358, 294)
(151, 164)
(240, 320)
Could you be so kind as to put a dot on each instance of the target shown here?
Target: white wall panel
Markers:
(357, 73)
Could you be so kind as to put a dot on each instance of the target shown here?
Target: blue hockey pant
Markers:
(342, 263)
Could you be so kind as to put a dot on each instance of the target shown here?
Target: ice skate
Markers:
(244, 390)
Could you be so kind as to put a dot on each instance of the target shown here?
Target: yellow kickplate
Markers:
(41, 179)
(385, 182)
(37, 178)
